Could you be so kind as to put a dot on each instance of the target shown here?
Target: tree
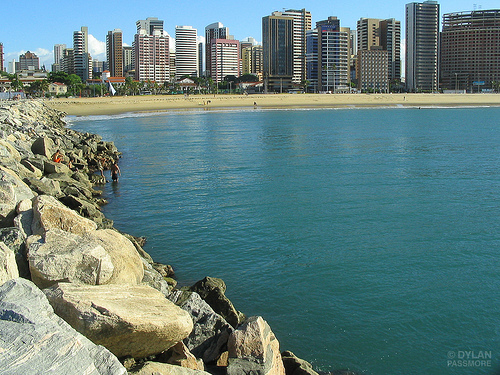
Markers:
(248, 78)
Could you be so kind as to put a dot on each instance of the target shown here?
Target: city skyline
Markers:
(29, 33)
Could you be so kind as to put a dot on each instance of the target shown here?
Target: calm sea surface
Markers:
(369, 239)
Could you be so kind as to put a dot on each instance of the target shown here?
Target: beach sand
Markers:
(155, 103)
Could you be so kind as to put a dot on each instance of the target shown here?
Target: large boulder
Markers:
(8, 266)
(157, 368)
(213, 290)
(97, 257)
(34, 340)
(49, 213)
(129, 320)
(50, 167)
(253, 349)
(12, 191)
(296, 366)
(62, 256)
(208, 340)
(43, 146)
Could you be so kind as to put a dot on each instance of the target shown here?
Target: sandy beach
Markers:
(155, 103)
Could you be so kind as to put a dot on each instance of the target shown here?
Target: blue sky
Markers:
(37, 26)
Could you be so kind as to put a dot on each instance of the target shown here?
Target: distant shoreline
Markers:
(155, 103)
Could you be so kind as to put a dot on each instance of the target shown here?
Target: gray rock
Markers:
(212, 290)
(154, 279)
(210, 333)
(63, 256)
(50, 167)
(8, 266)
(44, 186)
(36, 341)
(14, 239)
(296, 366)
(12, 191)
(44, 146)
(129, 320)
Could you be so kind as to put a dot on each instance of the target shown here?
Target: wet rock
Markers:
(296, 366)
(212, 291)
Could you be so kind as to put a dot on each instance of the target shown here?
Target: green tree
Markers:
(61, 77)
(248, 78)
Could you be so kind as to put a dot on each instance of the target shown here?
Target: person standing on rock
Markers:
(115, 171)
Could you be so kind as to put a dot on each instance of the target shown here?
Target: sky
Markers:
(38, 26)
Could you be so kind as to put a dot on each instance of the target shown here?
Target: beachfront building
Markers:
(252, 60)
(58, 56)
(28, 61)
(333, 56)
(372, 72)
(312, 60)
(149, 25)
(390, 40)
(1, 58)
(225, 59)
(470, 50)
(378, 34)
(114, 52)
(128, 61)
(68, 61)
(186, 52)
(301, 24)
(422, 37)
(213, 31)
(277, 43)
(81, 57)
(152, 56)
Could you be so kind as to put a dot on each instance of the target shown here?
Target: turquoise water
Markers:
(367, 238)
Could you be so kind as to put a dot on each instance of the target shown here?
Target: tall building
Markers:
(150, 24)
(114, 52)
(277, 43)
(372, 72)
(368, 33)
(213, 31)
(376, 34)
(68, 61)
(225, 59)
(333, 56)
(58, 56)
(1, 58)
(422, 36)
(152, 56)
(301, 24)
(390, 40)
(252, 60)
(312, 60)
(470, 50)
(186, 52)
(28, 61)
(82, 59)
(128, 60)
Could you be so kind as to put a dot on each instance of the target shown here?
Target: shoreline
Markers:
(165, 103)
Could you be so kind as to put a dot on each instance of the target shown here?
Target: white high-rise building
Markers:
(186, 52)
(82, 59)
(58, 56)
(301, 24)
(213, 31)
(225, 59)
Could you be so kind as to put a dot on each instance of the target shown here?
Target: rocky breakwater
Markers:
(79, 297)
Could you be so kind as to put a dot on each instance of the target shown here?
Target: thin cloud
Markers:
(97, 49)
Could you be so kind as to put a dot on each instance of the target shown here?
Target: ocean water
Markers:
(369, 239)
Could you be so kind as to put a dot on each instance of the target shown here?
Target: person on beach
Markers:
(57, 157)
(115, 171)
